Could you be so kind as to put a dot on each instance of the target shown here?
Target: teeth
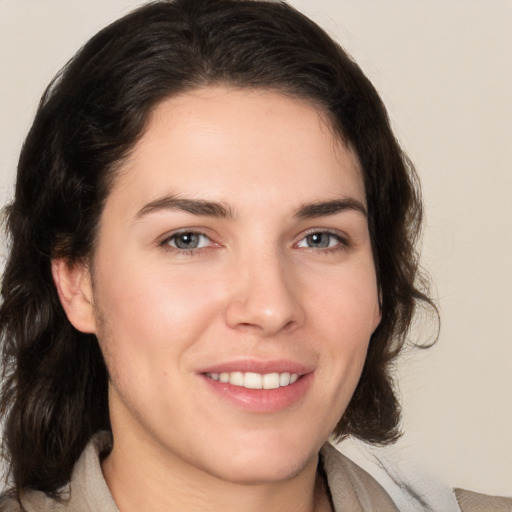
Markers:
(270, 381)
(252, 380)
(236, 378)
(284, 379)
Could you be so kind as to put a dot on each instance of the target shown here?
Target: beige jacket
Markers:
(352, 489)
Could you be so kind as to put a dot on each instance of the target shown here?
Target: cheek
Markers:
(345, 314)
(346, 303)
(153, 316)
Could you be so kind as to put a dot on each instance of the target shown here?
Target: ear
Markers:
(377, 314)
(74, 286)
(377, 317)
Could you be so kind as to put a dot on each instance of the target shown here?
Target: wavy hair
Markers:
(54, 394)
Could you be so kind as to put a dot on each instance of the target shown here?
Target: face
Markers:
(234, 285)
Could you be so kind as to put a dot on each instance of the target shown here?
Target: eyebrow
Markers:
(324, 208)
(224, 211)
(194, 206)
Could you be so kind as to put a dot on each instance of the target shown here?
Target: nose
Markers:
(265, 297)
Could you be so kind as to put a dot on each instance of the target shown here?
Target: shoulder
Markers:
(32, 501)
(375, 474)
(86, 491)
(9, 504)
(475, 502)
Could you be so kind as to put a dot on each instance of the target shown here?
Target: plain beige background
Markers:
(444, 70)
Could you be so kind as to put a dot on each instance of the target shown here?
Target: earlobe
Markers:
(377, 319)
(74, 287)
(378, 311)
(377, 316)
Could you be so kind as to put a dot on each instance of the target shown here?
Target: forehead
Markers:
(239, 145)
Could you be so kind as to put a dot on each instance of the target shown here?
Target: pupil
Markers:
(187, 241)
(318, 240)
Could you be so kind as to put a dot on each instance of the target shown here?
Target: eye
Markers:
(321, 240)
(187, 241)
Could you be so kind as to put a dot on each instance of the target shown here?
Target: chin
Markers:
(264, 470)
(264, 460)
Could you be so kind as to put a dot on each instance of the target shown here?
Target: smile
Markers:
(251, 380)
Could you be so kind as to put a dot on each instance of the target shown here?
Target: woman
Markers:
(212, 269)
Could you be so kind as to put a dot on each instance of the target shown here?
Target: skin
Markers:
(257, 289)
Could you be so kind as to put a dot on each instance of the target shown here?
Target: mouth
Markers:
(251, 380)
(259, 386)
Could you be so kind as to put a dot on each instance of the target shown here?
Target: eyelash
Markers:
(166, 243)
(341, 245)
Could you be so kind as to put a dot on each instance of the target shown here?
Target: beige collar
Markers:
(351, 487)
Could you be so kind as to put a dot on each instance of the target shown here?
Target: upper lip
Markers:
(258, 366)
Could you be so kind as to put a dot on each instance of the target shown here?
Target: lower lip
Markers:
(261, 400)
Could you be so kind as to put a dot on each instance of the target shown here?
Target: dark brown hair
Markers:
(54, 394)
